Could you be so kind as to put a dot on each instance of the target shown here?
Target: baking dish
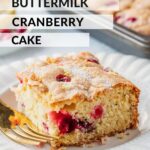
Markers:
(122, 39)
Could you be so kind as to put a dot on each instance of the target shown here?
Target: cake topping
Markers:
(63, 78)
(97, 112)
(77, 77)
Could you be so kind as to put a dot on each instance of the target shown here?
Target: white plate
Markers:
(135, 69)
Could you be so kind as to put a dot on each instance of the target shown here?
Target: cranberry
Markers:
(21, 81)
(97, 112)
(66, 124)
(93, 60)
(64, 121)
(132, 19)
(63, 78)
(84, 125)
(53, 116)
(116, 18)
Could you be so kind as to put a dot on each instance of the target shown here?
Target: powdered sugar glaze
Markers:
(67, 77)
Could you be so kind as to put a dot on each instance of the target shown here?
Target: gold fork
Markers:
(22, 134)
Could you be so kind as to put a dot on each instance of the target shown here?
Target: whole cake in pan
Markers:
(76, 99)
(135, 15)
(135, 19)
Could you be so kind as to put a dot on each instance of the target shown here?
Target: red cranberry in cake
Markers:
(132, 19)
(97, 112)
(66, 124)
(21, 81)
(63, 78)
(93, 60)
(64, 121)
(84, 125)
(116, 18)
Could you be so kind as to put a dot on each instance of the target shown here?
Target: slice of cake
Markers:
(77, 100)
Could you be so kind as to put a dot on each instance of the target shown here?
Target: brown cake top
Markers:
(124, 4)
(65, 78)
(141, 4)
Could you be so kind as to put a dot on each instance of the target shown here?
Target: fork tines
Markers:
(27, 135)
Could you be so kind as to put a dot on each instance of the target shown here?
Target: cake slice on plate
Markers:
(76, 99)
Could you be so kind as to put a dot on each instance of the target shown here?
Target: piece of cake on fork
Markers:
(76, 99)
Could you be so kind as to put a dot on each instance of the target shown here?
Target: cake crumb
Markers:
(103, 140)
(121, 135)
(40, 145)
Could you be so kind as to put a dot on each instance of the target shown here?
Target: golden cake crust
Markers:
(88, 78)
(125, 4)
(141, 4)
